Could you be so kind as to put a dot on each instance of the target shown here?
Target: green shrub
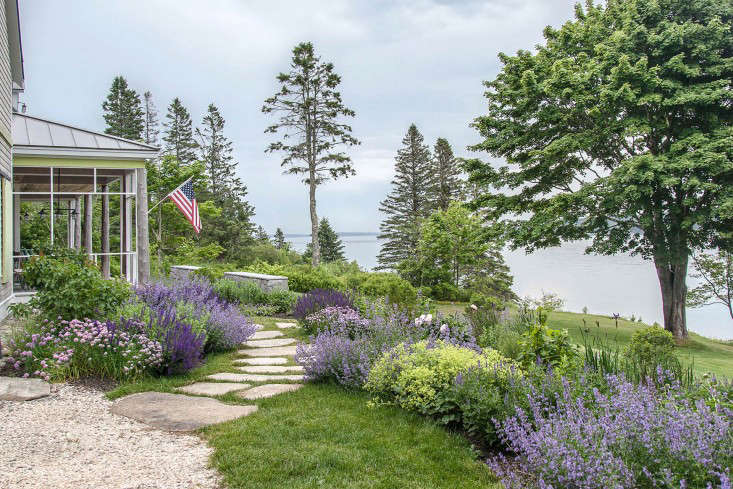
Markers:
(650, 347)
(417, 377)
(301, 278)
(214, 272)
(249, 293)
(389, 285)
(446, 291)
(551, 346)
(72, 287)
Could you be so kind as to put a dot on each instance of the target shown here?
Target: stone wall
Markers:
(181, 272)
(266, 283)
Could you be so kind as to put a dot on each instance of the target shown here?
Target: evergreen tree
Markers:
(178, 136)
(150, 130)
(261, 235)
(232, 228)
(280, 242)
(408, 203)
(311, 110)
(123, 112)
(447, 174)
(331, 246)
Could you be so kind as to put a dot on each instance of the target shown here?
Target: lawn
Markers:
(324, 436)
(707, 355)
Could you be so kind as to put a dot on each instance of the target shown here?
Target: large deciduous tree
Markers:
(123, 111)
(618, 130)
(447, 174)
(410, 201)
(178, 135)
(311, 123)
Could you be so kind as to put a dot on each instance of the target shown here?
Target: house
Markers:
(56, 174)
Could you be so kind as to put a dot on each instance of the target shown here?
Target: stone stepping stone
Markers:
(286, 325)
(17, 389)
(277, 351)
(262, 361)
(176, 412)
(270, 369)
(268, 390)
(264, 335)
(259, 327)
(230, 377)
(212, 388)
(269, 343)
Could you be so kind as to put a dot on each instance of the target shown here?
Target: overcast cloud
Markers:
(400, 62)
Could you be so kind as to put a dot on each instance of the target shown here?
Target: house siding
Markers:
(6, 113)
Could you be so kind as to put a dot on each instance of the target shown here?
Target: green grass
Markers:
(706, 355)
(323, 436)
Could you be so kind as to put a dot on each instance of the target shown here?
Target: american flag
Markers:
(185, 200)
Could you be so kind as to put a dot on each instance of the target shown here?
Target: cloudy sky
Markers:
(400, 62)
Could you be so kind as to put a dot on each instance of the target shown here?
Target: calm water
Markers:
(604, 284)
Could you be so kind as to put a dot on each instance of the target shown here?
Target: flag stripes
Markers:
(185, 200)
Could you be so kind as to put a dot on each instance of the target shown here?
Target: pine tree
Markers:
(178, 134)
(408, 203)
(331, 246)
(280, 242)
(311, 121)
(233, 228)
(123, 112)
(447, 174)
(150, 130)
(261, 235)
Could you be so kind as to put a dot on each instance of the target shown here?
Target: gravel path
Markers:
(71, 440)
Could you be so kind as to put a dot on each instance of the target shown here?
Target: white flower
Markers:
(474, 307)
(444, 329)
(429, 318)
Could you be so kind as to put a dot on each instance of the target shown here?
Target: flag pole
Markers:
(169, 194)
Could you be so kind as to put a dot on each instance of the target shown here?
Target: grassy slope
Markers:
(707, 354)
(323, 436)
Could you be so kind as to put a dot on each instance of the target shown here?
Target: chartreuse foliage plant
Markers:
(617, 129)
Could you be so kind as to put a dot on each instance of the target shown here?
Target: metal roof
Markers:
(33, 136)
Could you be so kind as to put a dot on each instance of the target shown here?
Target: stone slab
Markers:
(17, 389)
(277, 351)
(265, 335)
(269, 343)
(259, 327)
(268, 390)
(176, 412)
(286, 325)
(266, 283)
(270, 369)
(231, 377)
(262, 361)
(212, 388)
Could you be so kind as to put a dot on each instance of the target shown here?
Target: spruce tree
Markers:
(261, 235)
(150, 129)
(311, 121)
(232, 228)
(178, 136)
(280, 242)
(408, 203)
(123, 112)
(447, 174)
(331, 246)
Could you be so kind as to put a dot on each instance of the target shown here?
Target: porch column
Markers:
(69, 226)
(141, 234)
(16, 224)
(88, 217)
(126, 228)
(77, 223)
(105, 232)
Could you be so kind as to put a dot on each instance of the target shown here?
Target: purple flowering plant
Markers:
(318, 299)
(343, 319)
(58, 350)
(652, 434)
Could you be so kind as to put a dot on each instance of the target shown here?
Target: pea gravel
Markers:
(71, 440)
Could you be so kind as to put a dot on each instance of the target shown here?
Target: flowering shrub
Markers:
(417, 377)
(71, 349)
(633, 436)
(197, 304)
(318, 299)
(338, 318)
(346, 355)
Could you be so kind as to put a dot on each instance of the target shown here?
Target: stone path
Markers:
(268, 355)
(16, 389)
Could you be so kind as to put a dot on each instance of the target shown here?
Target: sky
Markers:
(419, 62)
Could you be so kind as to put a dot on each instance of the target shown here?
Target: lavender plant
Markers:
(640, 436)
(341, 318)
(318, 299)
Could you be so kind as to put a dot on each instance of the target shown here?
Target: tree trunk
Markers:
(142, 235)
(672, 280)
(315, 245)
